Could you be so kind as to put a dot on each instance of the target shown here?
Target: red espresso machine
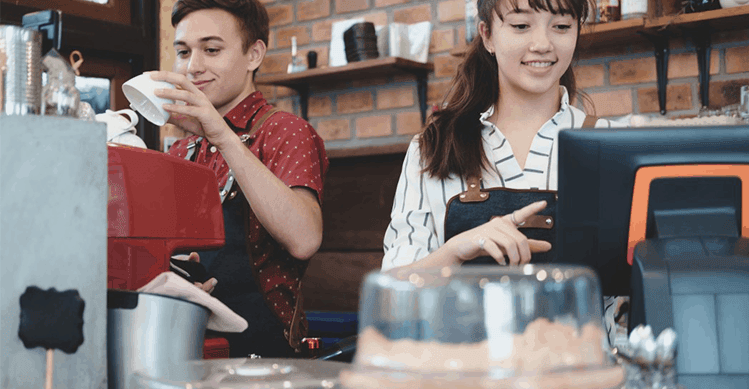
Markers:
(159, 205)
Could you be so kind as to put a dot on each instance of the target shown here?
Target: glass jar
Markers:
(59, 95)
(534, 326)
(608, 11)
(472, 13)
(632, 9)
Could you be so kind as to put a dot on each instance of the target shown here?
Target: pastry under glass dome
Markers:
(533, 326)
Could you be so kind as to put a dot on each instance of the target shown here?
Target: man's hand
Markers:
(207, 286)
(192, 111)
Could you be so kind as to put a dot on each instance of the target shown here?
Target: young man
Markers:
(273, 220)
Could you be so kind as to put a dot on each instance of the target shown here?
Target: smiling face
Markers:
(209, 52)
(533, 49)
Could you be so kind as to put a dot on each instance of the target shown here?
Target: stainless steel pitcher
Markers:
(21, 67)
(149, 332)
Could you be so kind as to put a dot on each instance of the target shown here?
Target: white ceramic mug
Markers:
(744, 105)
(733, 3)
(139, 91)
(119, 129)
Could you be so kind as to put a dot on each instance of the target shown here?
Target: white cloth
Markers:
(222, 318)
(418, 215)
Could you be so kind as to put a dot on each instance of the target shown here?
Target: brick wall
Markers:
(350, 114)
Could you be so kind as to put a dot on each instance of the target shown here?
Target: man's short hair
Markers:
(251, 15)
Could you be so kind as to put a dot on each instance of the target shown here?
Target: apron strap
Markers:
(590, 121)
(474, 193)
(259, 123)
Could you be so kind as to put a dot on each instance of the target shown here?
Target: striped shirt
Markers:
(418, 215)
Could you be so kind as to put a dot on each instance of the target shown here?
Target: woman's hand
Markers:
(499, 238)
(196, 114)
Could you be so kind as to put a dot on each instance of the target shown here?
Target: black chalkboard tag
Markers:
(52, 320)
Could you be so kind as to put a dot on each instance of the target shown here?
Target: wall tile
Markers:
(275, 63)
(354, 102)
(388, 98)
(312, 9)
(419, 13)
(727, 92)
(387, 3)
(446, 65)
(678, 98)
(589, 76)
(442, 40)
(612, 103)
(373, 126)
(282, 91)
(737, 59)
(344, 6)
(334, 129)
(436, 91)
(321, 30)
(283, 36)
(280, 15)
(632, 71)
(685, 65)
(451, 10)
(320, 106)
(377, 18)
(286, 105)
(408, 123)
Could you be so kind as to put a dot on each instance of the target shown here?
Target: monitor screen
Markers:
(599, 223)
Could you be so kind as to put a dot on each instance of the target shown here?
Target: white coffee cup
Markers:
(139, 91)
(119, 129)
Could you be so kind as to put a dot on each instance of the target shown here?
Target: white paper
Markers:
(337, 56)
(410, 41)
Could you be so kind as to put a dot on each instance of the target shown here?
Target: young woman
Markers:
(509, 99)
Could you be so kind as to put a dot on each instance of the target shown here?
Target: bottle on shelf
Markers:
(472, 17)
(700, 5)
(633, 9)
(608, 11)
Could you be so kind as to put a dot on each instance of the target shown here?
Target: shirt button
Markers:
(213, 149)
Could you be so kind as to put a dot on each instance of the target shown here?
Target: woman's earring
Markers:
(491, 53)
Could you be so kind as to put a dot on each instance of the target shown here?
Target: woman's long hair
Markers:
(451, 141)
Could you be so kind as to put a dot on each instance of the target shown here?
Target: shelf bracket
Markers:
(303, 91)
(660, 42)
(701, 37)
(421, 88)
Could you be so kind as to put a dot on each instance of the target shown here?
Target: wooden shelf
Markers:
(626, 31)
(612, 33)
(720, 19)
(301, 81)
(370, 68)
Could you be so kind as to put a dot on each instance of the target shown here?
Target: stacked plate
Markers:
(361, 42)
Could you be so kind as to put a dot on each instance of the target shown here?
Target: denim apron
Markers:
(478, 205)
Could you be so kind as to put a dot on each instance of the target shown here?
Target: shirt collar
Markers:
(244, 111)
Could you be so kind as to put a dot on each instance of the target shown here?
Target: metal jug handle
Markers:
(76, 63)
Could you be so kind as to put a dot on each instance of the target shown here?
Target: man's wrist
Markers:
(225, 140)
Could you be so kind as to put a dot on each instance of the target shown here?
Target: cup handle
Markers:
(131, 114)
